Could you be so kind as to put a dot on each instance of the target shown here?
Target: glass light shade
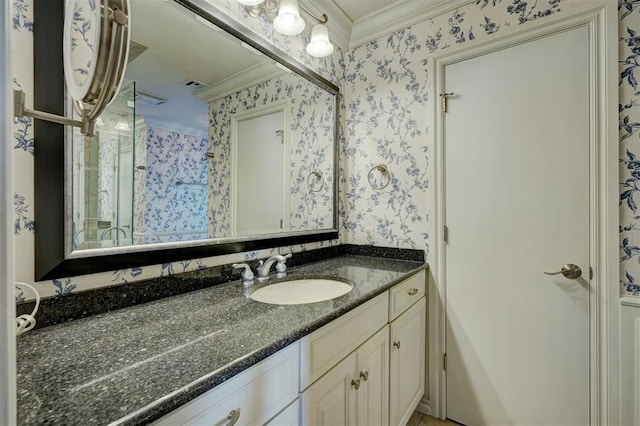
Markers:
(288, 21)
(250, 2)
(320, 46)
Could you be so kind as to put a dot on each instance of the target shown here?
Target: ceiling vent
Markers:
(194, 84)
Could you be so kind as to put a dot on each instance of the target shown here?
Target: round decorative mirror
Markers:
(95, 49)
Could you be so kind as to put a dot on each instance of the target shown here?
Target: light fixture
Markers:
(288, 21)
(122, 125)
(250, 2)
(320, 46)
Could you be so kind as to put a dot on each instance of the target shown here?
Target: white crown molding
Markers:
(339, 24)
(398, 16)
(242, 80)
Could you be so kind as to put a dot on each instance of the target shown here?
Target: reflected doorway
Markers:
(260, 160)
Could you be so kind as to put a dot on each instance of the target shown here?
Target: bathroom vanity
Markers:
(215, 356)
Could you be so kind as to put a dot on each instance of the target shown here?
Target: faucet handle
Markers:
(247, 274)
(281, 266)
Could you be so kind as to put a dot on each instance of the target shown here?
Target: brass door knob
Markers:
(569, 271)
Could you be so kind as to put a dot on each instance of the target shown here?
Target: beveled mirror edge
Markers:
(51, 253)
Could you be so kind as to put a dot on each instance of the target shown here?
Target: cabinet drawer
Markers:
(287, 417)
(405, 294)
(259, 392)
(325, 347)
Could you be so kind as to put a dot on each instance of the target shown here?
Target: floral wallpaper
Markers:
(311, 137)
(388, 113)
(385, 117)
(176, 186)
(629, 110)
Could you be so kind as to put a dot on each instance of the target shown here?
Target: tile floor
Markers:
(419, 419)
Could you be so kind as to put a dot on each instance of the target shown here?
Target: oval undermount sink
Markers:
(297, 292)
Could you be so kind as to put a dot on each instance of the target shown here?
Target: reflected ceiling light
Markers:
(250, 2)
(288, 21)
(320, 45)
(122, 125)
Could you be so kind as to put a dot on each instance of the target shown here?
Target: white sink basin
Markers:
(297, 292)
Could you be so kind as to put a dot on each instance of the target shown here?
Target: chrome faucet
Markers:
(264, 267)
(247, 275)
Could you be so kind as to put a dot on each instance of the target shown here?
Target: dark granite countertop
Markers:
(133, 365)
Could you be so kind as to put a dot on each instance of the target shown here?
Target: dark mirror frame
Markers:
(49, 160)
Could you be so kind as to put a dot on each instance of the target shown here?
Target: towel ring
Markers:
(318, 177)
(384, 171)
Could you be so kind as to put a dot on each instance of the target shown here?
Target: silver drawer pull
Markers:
(413, 292)
(355, 383)
(233, 417)
(397, 344)
(364, 375)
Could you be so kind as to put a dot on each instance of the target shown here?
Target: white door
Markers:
(517, 204)
(259, 167)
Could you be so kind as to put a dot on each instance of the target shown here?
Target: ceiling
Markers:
(355, 22)
(359, 9)
(169, 58)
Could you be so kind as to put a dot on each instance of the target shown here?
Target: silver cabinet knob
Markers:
(569, 271)
(397, 344)
(355, 383)
(364, 375)
(233, 417)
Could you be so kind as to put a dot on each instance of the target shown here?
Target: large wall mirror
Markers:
(216, 143)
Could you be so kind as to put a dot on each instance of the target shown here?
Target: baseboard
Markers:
(424, 407)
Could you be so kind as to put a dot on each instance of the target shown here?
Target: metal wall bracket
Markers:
(110, 68)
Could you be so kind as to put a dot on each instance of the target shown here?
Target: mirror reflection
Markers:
(208, 138)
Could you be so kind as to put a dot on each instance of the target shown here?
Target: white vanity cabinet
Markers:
(287, 417)
(252, 397)
(366, 367)
(334, 362)
(355, 391)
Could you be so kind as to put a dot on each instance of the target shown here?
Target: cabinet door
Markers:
(331, 401)
(406, 371)
(373, 372)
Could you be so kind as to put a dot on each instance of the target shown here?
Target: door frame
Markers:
(601, 18)
(8, 387)
(256, 112)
